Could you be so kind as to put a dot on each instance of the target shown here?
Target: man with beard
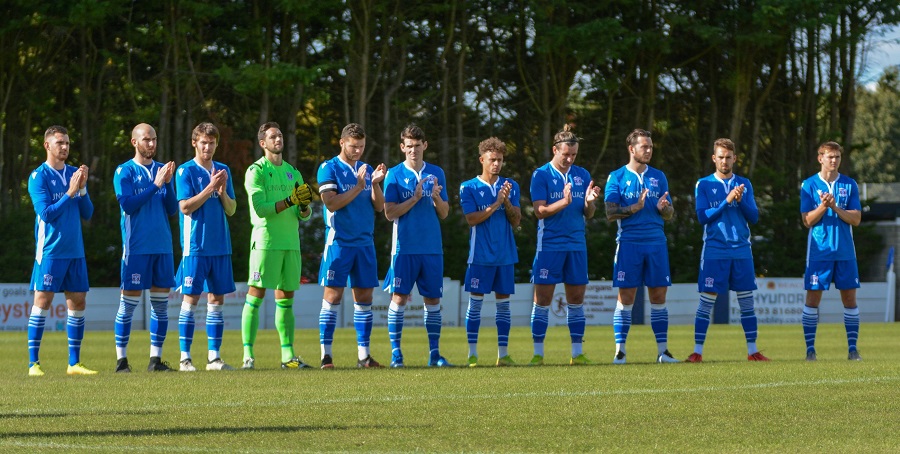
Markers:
(59, 194)
(637, 198)
(146, 195)
(725, 207)
(279, 200)
(563, 196)
(351, 191)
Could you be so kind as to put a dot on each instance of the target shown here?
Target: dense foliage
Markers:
(778, 77)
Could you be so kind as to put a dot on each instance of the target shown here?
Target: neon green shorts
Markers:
(275, 269)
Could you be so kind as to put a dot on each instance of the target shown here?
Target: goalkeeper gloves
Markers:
(300, 196)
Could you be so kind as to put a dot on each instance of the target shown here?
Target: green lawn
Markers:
(724, 405)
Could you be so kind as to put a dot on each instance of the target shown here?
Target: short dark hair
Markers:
(207, 129)
(565, 135)
(353, 130)
(412, 131)
(55, 129)
(491, 145)
(831, 146)
(633, 136)
(261, 134)
(724, 143)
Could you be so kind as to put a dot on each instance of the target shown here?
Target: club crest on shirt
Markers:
(842, 192)
(654, 183)
(578, 181)
(136, 278)
(290, 176)
(48, 279)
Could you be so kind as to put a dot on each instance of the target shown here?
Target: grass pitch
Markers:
(724, 405)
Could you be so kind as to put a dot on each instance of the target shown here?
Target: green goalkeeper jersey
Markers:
(266, 185)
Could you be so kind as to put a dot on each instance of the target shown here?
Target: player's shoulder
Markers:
(433, 168)
(844, 179)
(654, 172)
(38, 173)
(542, 170)
(474, 182)
(329, 162)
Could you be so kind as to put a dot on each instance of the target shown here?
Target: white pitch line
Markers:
(562, 393)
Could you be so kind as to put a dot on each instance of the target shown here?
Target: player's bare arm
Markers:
(377, 192)
(191, 205)
(614, 211)
(852, 217)
(811, 218)
(666, 210)
(334, 201)
(441, 206)
(394, 210)
(478, 217)
(542, 210)
(592, 194)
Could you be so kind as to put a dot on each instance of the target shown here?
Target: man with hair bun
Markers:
(490, 204)
(637, 198)
(563, 196)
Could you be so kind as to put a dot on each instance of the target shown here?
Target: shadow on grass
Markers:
(191, 431)
(88, 413)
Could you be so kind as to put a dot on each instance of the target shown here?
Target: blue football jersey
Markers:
(205, 231)
(564, 231)
(624, 187)
(831, 238)
(726, 226)
(419, 230)
(57, 226)
(491, 242)
(144, 208)
(354, 224)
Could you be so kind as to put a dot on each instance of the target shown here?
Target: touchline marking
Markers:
(512, 395)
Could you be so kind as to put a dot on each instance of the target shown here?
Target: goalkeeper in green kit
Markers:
(279, 199)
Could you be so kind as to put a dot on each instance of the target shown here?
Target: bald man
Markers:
(146, 197)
